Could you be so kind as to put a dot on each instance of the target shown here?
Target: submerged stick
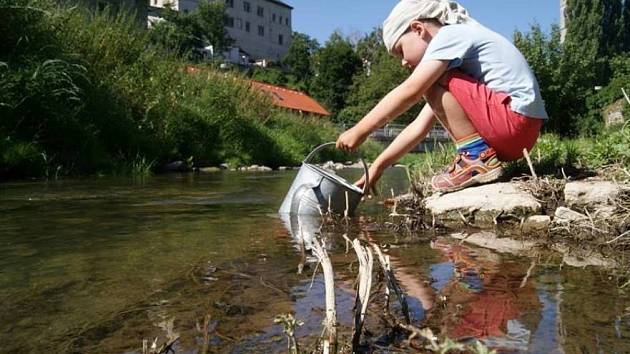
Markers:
(366, 262)
(330, 324)
(392, 283)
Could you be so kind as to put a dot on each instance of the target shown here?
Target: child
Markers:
(476, 83)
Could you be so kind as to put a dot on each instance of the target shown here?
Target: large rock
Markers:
(484, 202)
(591, 194)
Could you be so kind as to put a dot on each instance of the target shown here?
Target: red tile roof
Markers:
(292, 99)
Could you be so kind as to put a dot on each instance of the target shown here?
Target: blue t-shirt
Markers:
(492, 60)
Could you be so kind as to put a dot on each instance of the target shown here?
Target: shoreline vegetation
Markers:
(84, 93)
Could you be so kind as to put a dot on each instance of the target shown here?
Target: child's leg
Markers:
(465, 102)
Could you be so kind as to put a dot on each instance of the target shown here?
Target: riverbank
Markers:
(90, 94)
(574, 199)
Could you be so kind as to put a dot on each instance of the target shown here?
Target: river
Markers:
(98, 265)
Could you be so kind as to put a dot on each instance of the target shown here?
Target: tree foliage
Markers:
(335, 65)
(185, 33)
(381, 73)
(299, 57)
(569, 72)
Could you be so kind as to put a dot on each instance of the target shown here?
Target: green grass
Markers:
(91, 93)
(551, 155)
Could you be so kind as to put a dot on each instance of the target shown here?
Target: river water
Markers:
(98, 265)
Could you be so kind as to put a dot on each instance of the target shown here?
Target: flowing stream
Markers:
(98, 265)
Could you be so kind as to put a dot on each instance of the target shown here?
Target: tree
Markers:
(299, 56)
(185, 33)
(625, 26)
(381, 73)
(336, 64)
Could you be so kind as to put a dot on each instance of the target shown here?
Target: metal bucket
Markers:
(315, 191)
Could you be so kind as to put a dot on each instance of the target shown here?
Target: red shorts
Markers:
(508, 132)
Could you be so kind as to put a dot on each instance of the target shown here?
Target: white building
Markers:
(261, 29)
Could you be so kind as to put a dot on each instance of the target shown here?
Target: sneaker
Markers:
(466, 172)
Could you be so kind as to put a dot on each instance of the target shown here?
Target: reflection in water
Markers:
(95, 266)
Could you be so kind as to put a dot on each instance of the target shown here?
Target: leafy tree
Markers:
(625, 26)
(185, 33)
(336, 64)
(299, 57)
(381, 73)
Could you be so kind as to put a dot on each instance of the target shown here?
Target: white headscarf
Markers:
(445, 11)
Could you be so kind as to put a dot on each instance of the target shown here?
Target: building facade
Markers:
(260, 28)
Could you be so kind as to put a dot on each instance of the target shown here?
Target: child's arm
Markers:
(404, 142)
(396, 102)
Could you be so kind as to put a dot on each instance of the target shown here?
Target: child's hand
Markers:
(350, 139)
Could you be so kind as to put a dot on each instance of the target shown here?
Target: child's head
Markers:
(410, 19)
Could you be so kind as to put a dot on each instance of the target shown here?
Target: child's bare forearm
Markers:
(408, 138)
(405, 95)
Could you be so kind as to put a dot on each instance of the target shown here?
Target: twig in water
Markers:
(289, 324)
(330, 324)
(528, 274)
(392, 283)
(364, 255)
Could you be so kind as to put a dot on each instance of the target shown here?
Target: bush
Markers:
(92, 93)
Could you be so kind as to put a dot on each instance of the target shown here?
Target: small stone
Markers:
(339, 166)
(224, 166)
(565, 215)
(283, 168)
(209, 169)
(264, 169)
(536, 224)
(176, 166)
(592, 194)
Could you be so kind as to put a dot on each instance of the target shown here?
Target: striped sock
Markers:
(472, 144)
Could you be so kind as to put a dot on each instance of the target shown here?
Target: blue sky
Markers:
(319, 18)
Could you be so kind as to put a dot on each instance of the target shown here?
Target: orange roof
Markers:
(291, 99)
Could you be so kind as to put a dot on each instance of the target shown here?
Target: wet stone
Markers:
(536, 224)
(566, 215)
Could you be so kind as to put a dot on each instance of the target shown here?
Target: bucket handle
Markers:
(365, 167)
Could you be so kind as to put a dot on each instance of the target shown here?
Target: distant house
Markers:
(261, 29)
(291, 99)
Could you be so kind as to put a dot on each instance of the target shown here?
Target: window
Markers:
(287, 20)
(261, 31)
(273, 18)
(260, 11)
(229, 21)
(239, 23)
(229, 3)
(247, 7)
(280, 20)
(246, 26)
(280, 39)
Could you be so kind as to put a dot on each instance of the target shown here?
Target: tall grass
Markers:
(551, 155)
(89, 90)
